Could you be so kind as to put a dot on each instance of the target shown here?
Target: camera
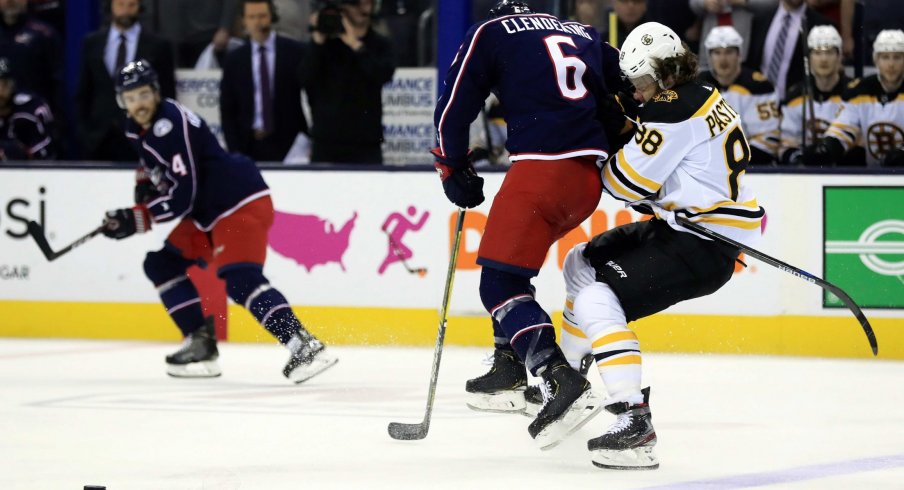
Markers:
(329, 16)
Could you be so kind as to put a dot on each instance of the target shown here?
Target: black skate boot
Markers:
(502, 388)
(533, 395)
(569, 403)
(197, 358)
(628, 444)
(308, 358)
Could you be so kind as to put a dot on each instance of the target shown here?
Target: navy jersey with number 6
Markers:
(548, 75)
(196, 177)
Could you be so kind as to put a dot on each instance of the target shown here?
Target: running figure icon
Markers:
(395, 227)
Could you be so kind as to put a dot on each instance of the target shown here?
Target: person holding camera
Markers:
(343, 76)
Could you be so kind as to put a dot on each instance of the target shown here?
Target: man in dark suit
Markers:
(260, 95)
(776, 46)
(104, 53)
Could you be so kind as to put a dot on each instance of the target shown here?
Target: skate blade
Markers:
(509, 401)
(204, 369)
(641, 458)
(581, 411)
(319, 364)
(531, 409)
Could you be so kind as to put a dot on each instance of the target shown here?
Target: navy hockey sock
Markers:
(183, 304)
(247, 286)
(500, 339)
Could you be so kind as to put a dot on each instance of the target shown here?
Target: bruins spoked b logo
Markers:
(646, 39)
(882, 138)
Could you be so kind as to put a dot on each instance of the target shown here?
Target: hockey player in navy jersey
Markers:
(26, 123)
(224, 211)
(688, 156)
(551, 76)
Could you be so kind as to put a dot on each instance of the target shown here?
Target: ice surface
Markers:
(102, 412)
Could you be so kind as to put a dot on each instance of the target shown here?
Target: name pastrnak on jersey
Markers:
(825, 108)
(689, 155)
(755, 99)
(870, 117)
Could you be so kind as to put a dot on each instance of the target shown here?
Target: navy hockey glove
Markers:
(125, 222)
(613, 113)
(461, 183)
(894, 158)
(145, 190)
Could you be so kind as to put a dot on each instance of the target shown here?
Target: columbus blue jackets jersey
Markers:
(27, 132)
(196, 177)
(548, 75)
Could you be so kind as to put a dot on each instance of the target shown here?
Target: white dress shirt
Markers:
(790, 42)
(270, 44)
(112, 47)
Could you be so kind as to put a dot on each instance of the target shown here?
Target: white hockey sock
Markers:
(573, 342)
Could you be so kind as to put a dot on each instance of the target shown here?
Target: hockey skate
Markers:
(533, 395)
(501, 390)
(628, 443)
(569, 403)
(197, 358)
(309, 358)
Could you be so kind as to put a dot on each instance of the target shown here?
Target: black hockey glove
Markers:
(613, 111)
(145, 190)
(792, 157)
(826, 152)
(461, 184)
(125, 222)
(894, 158)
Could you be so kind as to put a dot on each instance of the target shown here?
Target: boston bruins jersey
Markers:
(689, 155)
(870, 117)
(755, 99)
(825, 108)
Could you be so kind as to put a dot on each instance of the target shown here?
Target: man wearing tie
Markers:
(104, 53)
(260, 95)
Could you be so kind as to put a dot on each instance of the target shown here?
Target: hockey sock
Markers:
(500, 340)
(578, 275)
(247, 286)
(615, 348)
(573, 342)
(181, 300)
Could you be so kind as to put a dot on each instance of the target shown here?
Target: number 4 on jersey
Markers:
(178, 166)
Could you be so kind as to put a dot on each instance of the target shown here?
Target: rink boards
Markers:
(330, 256)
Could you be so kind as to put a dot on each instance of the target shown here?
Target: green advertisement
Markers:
(864, 245)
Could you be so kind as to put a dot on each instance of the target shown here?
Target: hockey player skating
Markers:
(550, 75)
(827, 84)
(688, 156)
(872, 112)
(224, 211)
(747, 91)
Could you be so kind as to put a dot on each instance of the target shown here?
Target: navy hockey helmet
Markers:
(509, 7)
(134, 75)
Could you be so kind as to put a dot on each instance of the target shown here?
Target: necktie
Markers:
(775, 64)
(266, 102)
(120, 55)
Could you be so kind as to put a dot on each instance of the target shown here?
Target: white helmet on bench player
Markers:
(648, 42)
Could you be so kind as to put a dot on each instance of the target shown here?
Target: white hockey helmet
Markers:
(889, 41)
(822, 37)
(723, 37)
(648, 41)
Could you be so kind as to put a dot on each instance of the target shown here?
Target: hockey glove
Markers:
(615, 113)
(461, 184)
(824, 153)
(894, 158)
(145, 190)
(125, 222)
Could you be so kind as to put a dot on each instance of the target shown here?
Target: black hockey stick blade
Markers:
(794, 271)
(407, 432)
(37, 232)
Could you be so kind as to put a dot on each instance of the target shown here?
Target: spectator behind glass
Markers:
(192, 25)
(104, 53)
(630, 14)
(344, 76)
(33, 48)
(26, 122)
(739, 14)
(52, 12)
(677, 15)
(879, 15)
(260, 95)
(293, 19)
(592, 13)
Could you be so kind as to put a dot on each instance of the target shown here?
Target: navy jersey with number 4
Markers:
(548, 75)
(196, 177)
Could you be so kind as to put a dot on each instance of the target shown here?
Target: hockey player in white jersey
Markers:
(872, 114)
(747, 91)
(826, 85)
(688, 157)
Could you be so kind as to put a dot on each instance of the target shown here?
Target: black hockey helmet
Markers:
(509, 7)
(135, 75)
(6, 71)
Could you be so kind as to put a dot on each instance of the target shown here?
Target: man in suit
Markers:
(260, 94)
(104, 53)
(776, 47)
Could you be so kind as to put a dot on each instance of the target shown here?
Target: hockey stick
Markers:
(37, 232)
(414, 432)
(794, 271)
(397, 251)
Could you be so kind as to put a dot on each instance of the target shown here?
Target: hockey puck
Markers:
(95, 487)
